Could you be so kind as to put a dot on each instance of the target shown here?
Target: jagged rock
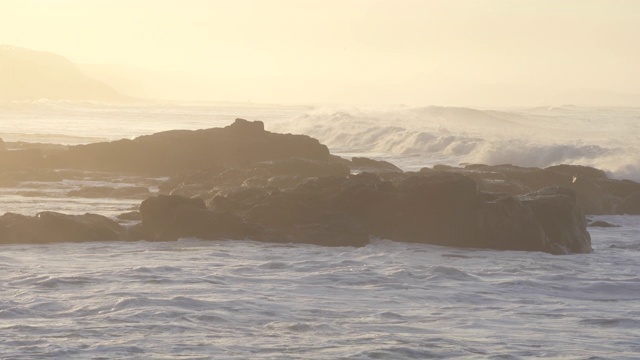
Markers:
(50, 227)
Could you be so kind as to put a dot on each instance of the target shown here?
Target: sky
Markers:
(419, 52)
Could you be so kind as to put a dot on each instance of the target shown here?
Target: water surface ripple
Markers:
(194, 299)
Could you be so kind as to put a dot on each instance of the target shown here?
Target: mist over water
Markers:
(538, 137)
(411, 137)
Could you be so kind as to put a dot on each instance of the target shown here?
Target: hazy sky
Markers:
(446, 52)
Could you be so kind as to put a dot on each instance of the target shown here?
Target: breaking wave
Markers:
(418, 137)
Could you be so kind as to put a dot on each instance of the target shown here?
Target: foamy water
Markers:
(241, 299)
(198, 299)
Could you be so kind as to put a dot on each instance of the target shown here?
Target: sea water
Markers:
(197, 299)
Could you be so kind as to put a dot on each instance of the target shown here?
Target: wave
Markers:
(418, 137)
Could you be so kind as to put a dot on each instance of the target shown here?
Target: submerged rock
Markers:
(601, 223)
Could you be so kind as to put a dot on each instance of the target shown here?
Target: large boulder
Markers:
(51, 227)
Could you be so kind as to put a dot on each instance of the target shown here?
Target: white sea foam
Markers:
(419, 137)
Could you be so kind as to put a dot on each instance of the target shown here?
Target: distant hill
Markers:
(33, 75)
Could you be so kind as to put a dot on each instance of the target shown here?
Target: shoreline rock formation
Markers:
(242, 182)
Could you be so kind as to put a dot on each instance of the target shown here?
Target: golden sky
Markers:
(447, 52)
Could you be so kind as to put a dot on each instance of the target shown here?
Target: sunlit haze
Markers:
(417, 52)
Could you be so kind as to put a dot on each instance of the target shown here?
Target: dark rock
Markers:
(508, 224)
(290, 217)
(556, 210)
(630, 205)
(182, 151)
(169, 217)
(601, 223)
(595, 193)
(363, 164)
(619, 188)
(130, 216)
(548, 220)
(591, 199)
(578, 171)
(50, 227)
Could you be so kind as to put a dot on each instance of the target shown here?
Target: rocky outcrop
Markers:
(183, 151)
(630, 205)
(595, 193)
(363, 164)
(436, 208)
(51, 227)
(168, 217)
(242, 182)
(557, 213)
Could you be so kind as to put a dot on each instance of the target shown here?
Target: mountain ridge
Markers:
(28, 75)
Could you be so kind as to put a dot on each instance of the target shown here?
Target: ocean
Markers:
(195, 299)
